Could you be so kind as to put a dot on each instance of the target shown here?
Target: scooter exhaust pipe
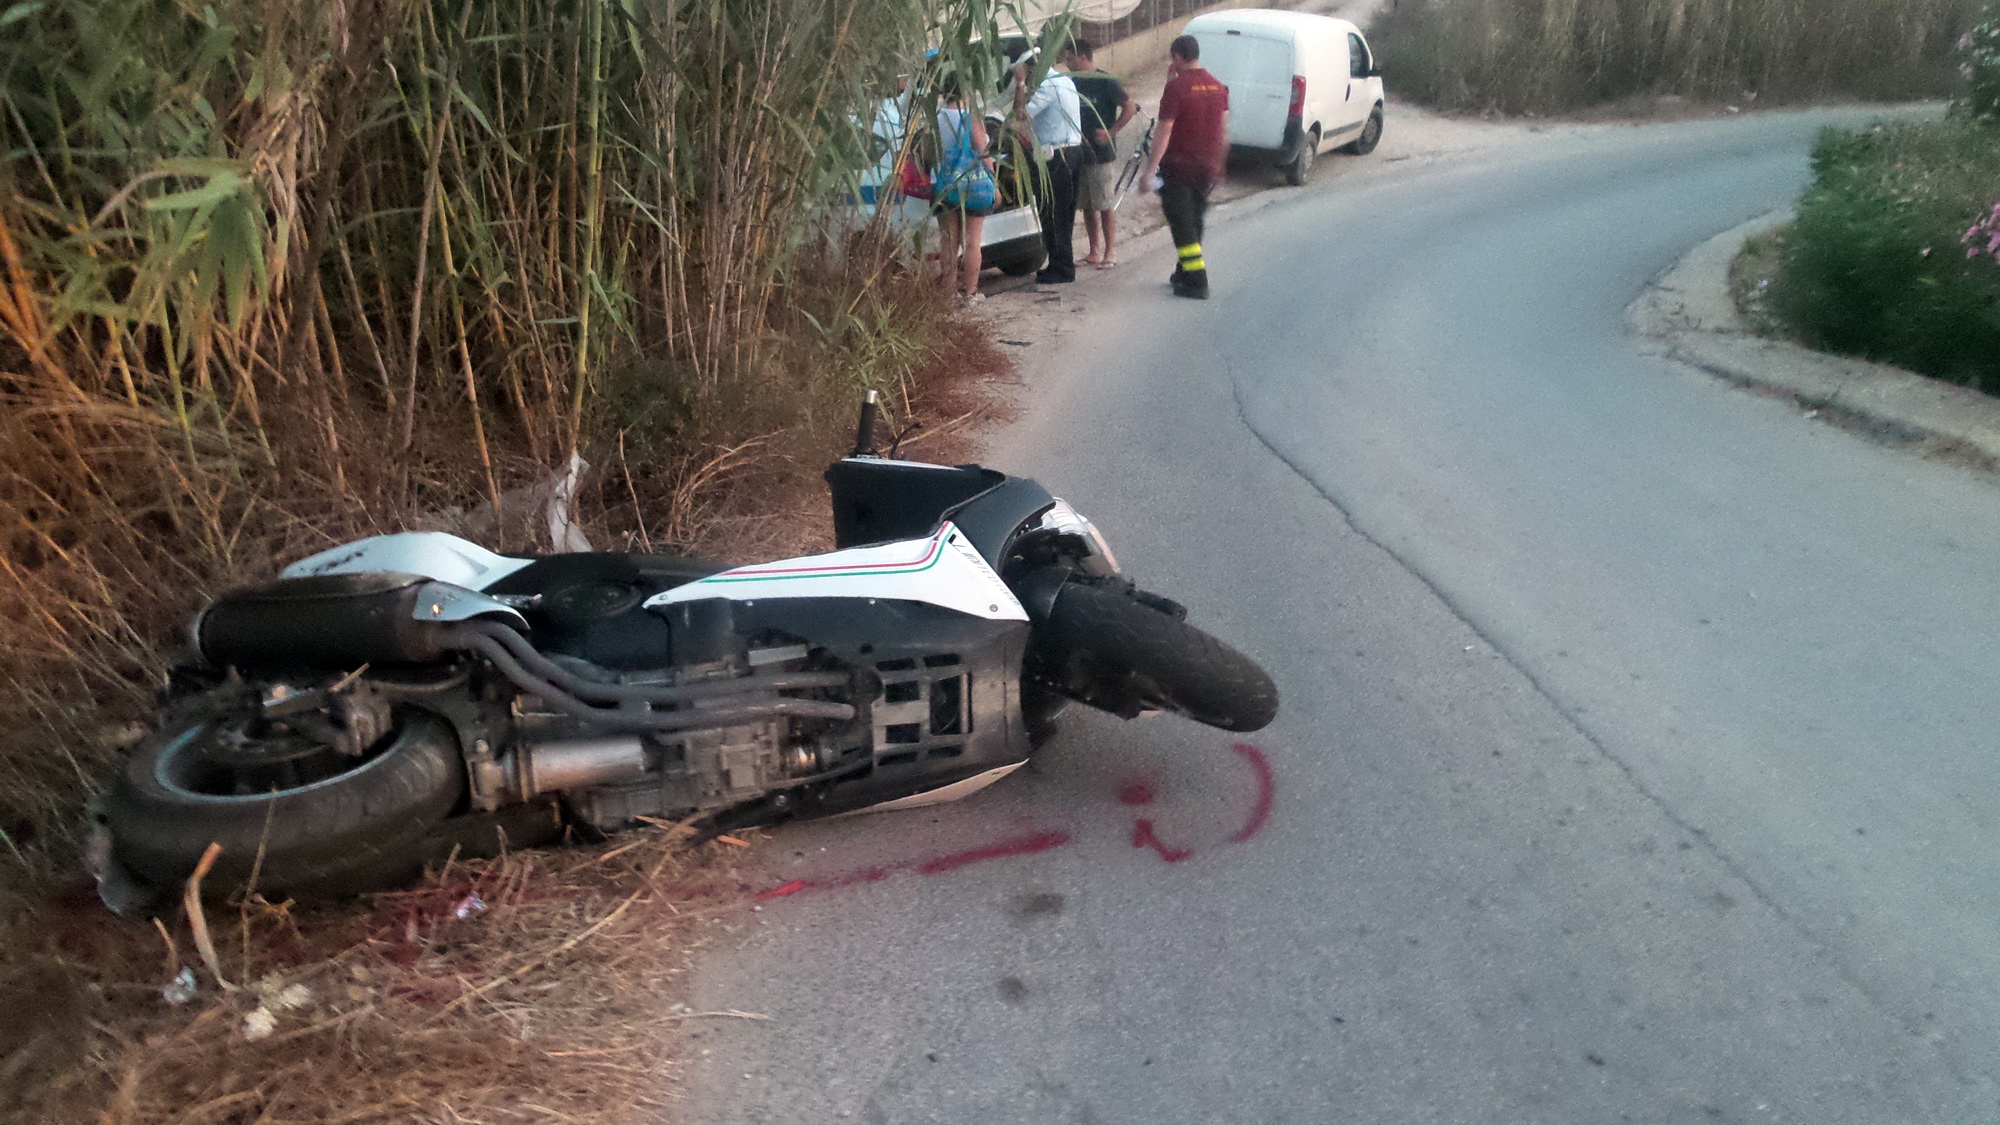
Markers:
(578, 763)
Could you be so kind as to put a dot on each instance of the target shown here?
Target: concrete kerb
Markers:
(1689, 313)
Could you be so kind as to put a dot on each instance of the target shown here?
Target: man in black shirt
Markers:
(1106, 109)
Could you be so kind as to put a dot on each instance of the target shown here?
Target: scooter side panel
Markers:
(942, 570)
(432, 554)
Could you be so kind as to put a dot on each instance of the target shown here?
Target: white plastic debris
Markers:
(259, 1024)
(560, 491)
(290, 997)
(468, 906)
(179, 990)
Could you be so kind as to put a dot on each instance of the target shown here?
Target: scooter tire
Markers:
(354, 832)
(1115, 648)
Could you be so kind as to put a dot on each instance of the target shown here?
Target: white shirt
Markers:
(1057, 112)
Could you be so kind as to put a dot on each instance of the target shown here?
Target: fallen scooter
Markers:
(388, 690)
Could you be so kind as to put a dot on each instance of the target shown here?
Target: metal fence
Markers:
(1143, 16)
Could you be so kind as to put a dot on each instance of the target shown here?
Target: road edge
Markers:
(1689, 313)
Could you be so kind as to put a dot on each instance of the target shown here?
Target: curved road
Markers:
(1640, 738)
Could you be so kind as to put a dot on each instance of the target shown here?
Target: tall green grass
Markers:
(274, 274)
(1519, 56)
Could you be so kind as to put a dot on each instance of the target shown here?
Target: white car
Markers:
(1299, 85)
(1011, 239)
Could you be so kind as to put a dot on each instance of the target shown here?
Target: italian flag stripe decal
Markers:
(847, 570)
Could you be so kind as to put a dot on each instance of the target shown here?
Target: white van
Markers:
(1299, 84)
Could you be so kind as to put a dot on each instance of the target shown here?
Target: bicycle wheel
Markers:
(1129, 175)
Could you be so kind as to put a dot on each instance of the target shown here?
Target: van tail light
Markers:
(1298, 95)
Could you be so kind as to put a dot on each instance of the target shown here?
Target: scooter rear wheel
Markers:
(332, 832)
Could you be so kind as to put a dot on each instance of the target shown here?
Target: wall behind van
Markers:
(1147, 49)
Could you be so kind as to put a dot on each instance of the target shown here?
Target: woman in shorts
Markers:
(962, 190)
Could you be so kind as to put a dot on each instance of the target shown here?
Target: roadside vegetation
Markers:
(1889, 257)
(273, 275)
(276, 275)
(1552, 56)
(1895, 254)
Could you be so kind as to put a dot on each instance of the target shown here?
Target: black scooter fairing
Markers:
(590, 605)
(881, 501)
(950, 699)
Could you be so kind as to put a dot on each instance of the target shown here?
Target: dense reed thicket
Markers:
(1519, 56)
(275, 274)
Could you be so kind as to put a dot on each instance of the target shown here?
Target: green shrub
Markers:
(1980, 49)
(1877, 264)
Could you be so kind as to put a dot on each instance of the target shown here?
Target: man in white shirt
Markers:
(1056, 114)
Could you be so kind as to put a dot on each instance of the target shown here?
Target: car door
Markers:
(1362, 88)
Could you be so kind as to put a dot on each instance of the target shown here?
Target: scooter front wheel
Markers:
(1108, 645)
(306, 822)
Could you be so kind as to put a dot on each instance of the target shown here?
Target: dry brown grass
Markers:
(422, 251)
(547, 1002)
(548, 1005)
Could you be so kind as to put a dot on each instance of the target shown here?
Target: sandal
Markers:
(1108, 264)
(1090, 259)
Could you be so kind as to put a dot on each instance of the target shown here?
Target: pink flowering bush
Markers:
(1863, 273)
(1986, 230)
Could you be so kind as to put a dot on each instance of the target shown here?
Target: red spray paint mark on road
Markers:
(1144, 837)
(1135, 793)
(1261, 812)
(1005, 849)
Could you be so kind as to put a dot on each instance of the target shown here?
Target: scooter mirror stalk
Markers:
(864, 436)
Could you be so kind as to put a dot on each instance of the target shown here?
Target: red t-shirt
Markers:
(1195, 102)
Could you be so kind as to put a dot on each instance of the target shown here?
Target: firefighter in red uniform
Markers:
(1190, 145)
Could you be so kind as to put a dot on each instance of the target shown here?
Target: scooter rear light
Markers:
(1298, 95)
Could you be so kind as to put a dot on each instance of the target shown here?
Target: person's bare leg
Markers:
(1091, 227)
(975, 225)
(948, 250)
(1110, 221)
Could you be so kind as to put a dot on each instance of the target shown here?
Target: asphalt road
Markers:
(1639, 737)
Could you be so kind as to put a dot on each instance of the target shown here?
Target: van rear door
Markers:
(1256, 64)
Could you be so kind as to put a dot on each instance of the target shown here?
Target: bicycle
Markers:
(1134, 164)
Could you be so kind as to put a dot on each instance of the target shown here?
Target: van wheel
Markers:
(1371, 135)
(1300, 169)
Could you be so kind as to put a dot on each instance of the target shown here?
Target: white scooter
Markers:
(392, 697)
